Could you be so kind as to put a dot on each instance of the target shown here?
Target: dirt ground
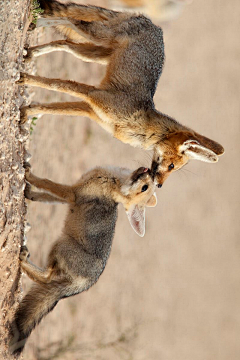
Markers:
(13, 29)
(173, 294)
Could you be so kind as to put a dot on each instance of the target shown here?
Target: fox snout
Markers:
(156, 175)
(139, 173)
(159, 179)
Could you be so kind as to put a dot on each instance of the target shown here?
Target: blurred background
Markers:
(173, 294)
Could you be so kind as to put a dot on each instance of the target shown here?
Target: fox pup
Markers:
(79, 256)
(132, 48)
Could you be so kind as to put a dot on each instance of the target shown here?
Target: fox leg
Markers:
(44, 197)
(64, 192)
(86, 52)
(89, 93)
(70, 87)
(41, 196)
(54, 8)
(80, 108)
(35, 273)
(95, 31)
(66, 108)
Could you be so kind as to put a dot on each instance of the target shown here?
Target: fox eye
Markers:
(171, 166)
(144, 188)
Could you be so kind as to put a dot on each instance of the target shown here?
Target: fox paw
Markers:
(22, 79)
(27, 171)
(23, 115)
(30, 53)
(32, 27)
(28, 57)
(27, 166)
(24, 253)
(28, 191)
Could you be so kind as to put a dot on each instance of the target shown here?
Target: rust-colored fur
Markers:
(78, 257)
(132, 48)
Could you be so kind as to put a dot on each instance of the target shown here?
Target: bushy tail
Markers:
(54, 8)
(38, 302)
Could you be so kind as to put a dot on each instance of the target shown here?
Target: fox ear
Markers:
(209, 144)
(136, 217)
(194, 150)
(152, 202)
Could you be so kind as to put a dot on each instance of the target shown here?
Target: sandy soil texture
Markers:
(13, 28)
(175, 293)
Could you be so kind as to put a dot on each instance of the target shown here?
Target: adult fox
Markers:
(132, 48)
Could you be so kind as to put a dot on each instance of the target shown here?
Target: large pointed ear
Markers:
(152, 202)
(194, 150)
(136, 217)
(209, 144)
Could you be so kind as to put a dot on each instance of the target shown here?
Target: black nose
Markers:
(159, 186)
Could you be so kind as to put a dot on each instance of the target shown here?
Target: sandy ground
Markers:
(13, 28)
(175, 293)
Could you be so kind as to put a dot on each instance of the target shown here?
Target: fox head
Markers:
(176, 149)
(138, 191)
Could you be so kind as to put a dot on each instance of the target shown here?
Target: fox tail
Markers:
(38, 302)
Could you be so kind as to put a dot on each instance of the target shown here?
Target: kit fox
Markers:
(79, 256)
(132, 48)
